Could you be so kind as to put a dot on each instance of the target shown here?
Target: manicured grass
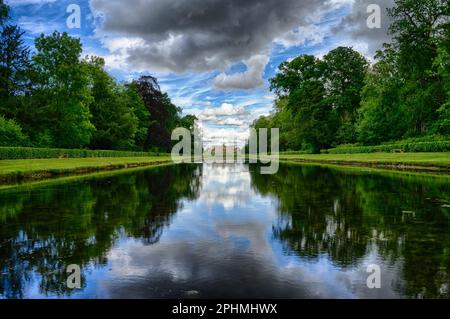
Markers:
(39, 169)
(425, 160)
(28, 185)
(11, 170)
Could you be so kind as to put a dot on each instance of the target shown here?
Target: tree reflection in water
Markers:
(307, 231)
(346, 215)
(44, 231)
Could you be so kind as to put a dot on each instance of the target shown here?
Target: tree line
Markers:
(55, 98)
(344, 99)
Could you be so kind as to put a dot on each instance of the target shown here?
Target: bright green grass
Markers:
(27, 186)
(441, 160)
(21, 167)
(59, 166)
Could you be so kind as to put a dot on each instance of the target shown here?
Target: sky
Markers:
(213, 57)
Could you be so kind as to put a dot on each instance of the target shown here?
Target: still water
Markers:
(207, 231)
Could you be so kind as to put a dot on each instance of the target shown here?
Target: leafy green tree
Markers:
(264, 122)
(14, 65)
(289, 132)
(11, 133)
(61, 97)
(315, 116)
(418, 28)
(443, 65)
(405, 90)
(112, 110)
(4, 12)
(345, 70)
(141, 113)
(380, 118)
(292, 74)
(188, 122)
(301, 83)
(14, 62)
(62, 101)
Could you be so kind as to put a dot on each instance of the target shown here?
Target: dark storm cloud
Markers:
(356, 24)
(202, 34)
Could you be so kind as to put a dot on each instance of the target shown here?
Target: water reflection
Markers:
(227, 231)
(44, 231)
(400, 222)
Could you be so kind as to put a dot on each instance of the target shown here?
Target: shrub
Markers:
(11, 133)
(411, 147)
(296, 152)
(42, 153)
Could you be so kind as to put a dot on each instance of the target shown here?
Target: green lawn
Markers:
(13, 170)
(439, 160)
(34, 167)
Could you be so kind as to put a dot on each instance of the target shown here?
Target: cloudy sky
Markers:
(213, 57)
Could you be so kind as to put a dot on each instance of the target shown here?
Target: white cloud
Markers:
(225, 109)
(36, 27)
(213, 136)
(355, 25)
(299, 36)
(228, 123)
(118, 46)
(250, 79)
(232, 122)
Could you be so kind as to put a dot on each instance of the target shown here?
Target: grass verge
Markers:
(13, 171)
(30, 185)
(401, 161)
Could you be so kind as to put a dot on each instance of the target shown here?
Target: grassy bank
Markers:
(12, 171)
(35, 169)
(401, 161)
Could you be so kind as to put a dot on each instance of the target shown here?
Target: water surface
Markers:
(209, 231)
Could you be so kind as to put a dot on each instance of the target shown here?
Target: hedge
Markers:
(436, 146)
(9, 153)
(296, 152)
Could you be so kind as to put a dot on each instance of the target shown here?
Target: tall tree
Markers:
(301, 83)
(315, 116)
(4, 12)
(442, 63)
(112, 110)
(418, 28)
(294, 73)
(345, 70)
(141, 113)
(289, 132)
(164, 115)
(14, 64)
(405, 90)
(381, 118)
(61, 97)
